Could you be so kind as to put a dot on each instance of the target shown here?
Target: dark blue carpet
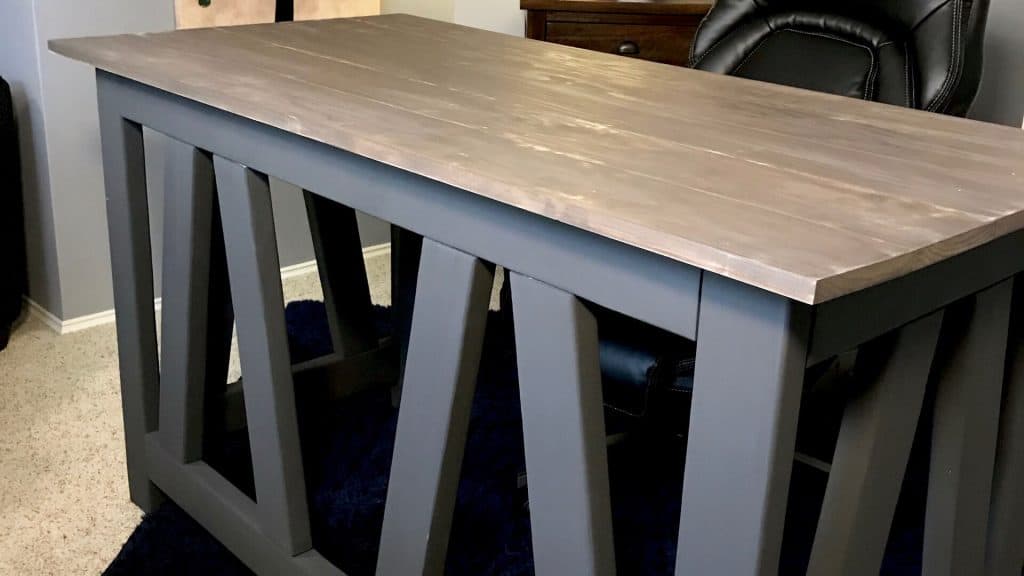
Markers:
(347, 451)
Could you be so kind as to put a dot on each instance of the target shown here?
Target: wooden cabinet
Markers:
(657, 30)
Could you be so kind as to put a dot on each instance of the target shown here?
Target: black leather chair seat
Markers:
(794, 47)
(646, 372)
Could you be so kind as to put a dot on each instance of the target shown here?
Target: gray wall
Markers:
(496, 15)
(19, 65)
(64, 198)
(72, 141)
(1001, 98)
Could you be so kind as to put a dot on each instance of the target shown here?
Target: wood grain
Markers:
(698, 7)
(324, 9)
(807, 195)
(192, 14)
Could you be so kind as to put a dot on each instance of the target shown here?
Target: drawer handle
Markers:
(629, 48)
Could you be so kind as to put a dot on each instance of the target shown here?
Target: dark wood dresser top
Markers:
(621, 6)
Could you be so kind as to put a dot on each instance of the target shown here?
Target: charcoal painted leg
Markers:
(1006, 520)
(339, 257)
(405, 265)
(263, 347)
(220, 324)
(967, 402)
(751, 353)
(188, 216)
(872, 452)
(563, 431)
(124, 167)
(444, 355)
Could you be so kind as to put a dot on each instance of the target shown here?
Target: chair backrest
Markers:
(12, 231)
(924, 54)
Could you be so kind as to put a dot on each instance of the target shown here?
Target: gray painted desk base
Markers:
(742, 430)
(1005, 555)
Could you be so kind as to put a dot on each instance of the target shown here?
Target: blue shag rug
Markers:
(347, 455)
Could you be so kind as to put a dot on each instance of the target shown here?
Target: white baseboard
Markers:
(300, 269)
(79, 323)
(377, 250)
(43, 314)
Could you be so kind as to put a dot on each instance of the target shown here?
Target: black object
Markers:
(285, 11)
(924, 54)
(12, 229)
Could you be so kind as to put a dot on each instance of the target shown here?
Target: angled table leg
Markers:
(967, 398)
(751, 353)
(194, 350)
(444, 355)
(263, 347)
(1006, 520)
(872, 452)
(563, 431)
(342, 275)
(406, 247)
(220, 326)
(124, 169)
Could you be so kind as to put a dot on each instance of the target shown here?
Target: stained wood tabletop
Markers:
(807, 195)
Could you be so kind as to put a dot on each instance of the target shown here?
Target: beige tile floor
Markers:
(64, 507)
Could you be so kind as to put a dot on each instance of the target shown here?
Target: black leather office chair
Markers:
(924, 54)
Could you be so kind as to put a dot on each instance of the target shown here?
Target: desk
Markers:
(775, 226)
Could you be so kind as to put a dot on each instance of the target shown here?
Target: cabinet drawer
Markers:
(661, 43)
